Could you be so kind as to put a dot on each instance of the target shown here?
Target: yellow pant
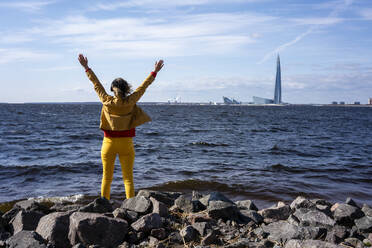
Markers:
(110, 148)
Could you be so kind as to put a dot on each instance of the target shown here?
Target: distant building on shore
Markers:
(227, 100)
(370, 101)
(278, 89)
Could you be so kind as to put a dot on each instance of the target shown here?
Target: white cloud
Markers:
(27, 6)
(184, 35)
(366, 14)
(19, 55)
(164, 4)
(331, 19)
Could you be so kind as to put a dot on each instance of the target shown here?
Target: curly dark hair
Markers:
(122, 85)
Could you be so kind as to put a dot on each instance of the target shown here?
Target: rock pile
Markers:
(168, 219)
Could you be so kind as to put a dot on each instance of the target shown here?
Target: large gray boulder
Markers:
(96, 229)
(280, 212)
(310, 244)
(283, 231)
(147, 222)
(214, 196)
(222, 210)
(25, 221)
(99, 205)
(26, 239)
(139, 204)
(54, 228)
(345, 214)
(32, 205)
(364, 224)
(313, 218)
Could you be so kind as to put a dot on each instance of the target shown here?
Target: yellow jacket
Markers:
(120, 114)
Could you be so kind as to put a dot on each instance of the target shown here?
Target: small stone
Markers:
(356, 243)
(202, 227)
(252, 215)
(78, 246)
(367, 210)
(196, 195)
(351, 202)
(139, 204)
(189, 233)
(175, 237)
(125, 214)
(165, 197)
(159, 207)
(325, 209)
(147, 222)
(198, 217)
(210, 238)
(246, 204)
(125, 244)
(301, 202)
(367, 242)
(294, 243)
(159, 233)
(321, 202)
(276, 213)
(337, 234)
(153, 241)
(184, 204)
(214, 196)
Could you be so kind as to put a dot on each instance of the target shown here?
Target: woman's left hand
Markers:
(83, 61)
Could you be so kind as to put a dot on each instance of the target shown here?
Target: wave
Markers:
(192, 184)
(23, 170)
(202, 143)
(276, 150)
(296, 170)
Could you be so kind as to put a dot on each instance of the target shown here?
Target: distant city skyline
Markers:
(211, 48)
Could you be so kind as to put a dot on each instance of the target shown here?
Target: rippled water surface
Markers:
(264, 153)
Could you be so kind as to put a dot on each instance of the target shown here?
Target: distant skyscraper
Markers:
(278, 84)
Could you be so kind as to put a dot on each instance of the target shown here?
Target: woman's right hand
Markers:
(83, 61)
(158, 65)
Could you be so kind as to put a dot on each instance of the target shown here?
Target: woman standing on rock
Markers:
(119, 117)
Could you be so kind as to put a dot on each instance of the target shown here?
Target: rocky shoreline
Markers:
(172, 219)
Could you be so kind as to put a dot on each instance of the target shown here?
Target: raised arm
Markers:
(138, 93)
(103, 96)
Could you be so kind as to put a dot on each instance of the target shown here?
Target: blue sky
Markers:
(211, 48)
